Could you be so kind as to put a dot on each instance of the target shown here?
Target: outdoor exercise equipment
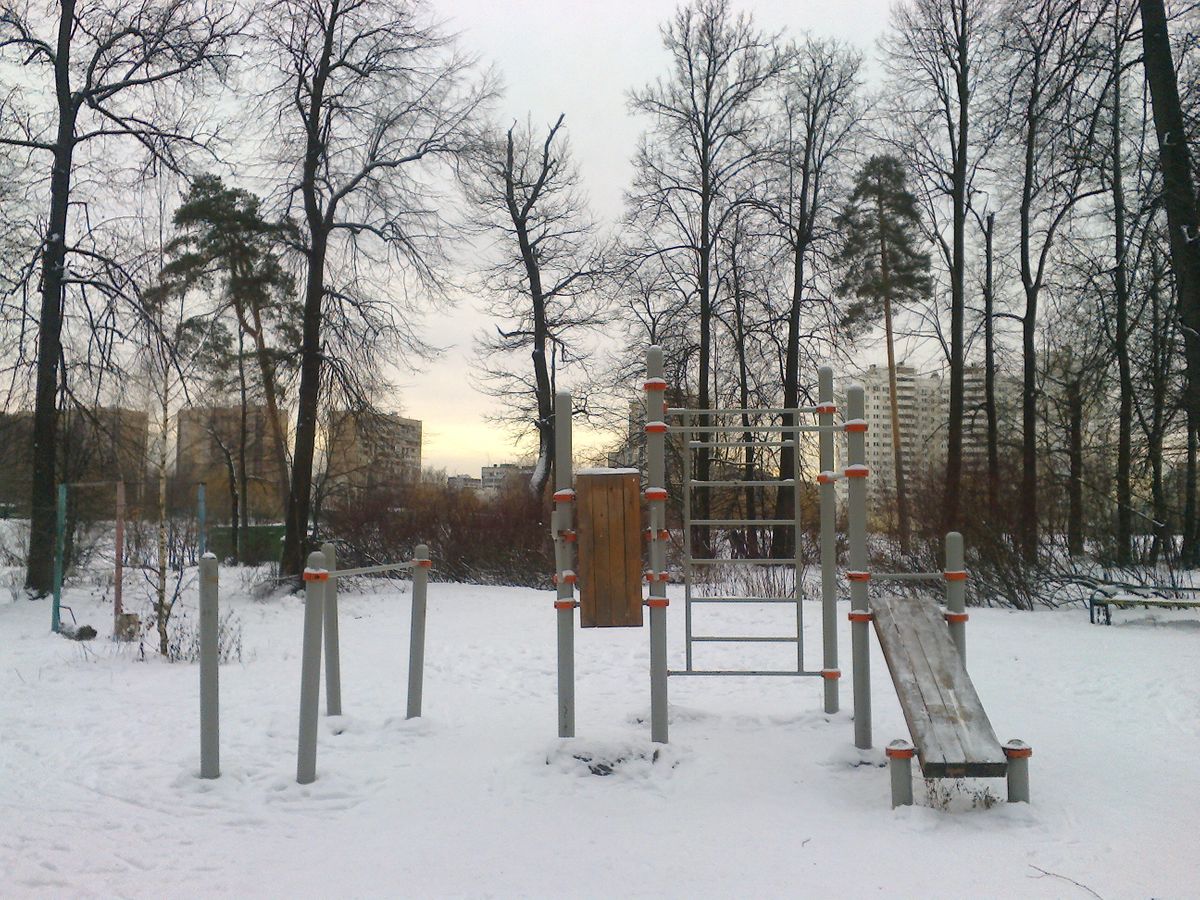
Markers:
(320, 621)
(120, 627)
(596, 512)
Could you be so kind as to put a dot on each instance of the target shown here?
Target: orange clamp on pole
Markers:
(858, 576)
(955, 576)
(316, 575)
(861, 616)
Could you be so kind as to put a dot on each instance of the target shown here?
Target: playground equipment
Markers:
(120, 625)
(320, 621)
(925, 648)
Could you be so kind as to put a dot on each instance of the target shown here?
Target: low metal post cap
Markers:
(900, 749)
(1016, 749)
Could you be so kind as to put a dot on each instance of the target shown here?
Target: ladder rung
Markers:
(695, 445)
(740, 561)
(743, 600)
(750, 672)
(763, 522)
(764, 410)
(747, 640)
(784, 482)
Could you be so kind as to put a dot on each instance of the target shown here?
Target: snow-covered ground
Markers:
(759, 793)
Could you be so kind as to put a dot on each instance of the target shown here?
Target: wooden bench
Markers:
(950, 730)
(1122, 596)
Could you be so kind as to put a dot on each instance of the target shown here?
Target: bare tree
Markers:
(935, 53)
(544, 285)
(1183, 218)
(119, 72)
(1053, 83)
(369, 100)
(818, 116)
(700, 159)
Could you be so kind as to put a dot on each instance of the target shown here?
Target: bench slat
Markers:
(949, 727)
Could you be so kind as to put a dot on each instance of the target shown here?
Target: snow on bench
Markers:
(949, 727)
(1104, 597)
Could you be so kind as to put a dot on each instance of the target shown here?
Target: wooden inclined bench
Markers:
(952, 735)
(1106, 596)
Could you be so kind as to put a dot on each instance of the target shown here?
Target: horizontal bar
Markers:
(907, 576)
(748, 672)
(791, 600)
(763, 522)
(744, 640)
(765, 410)
(761, 429)
(785, 482)
(731, 444)
(371, 570)
(742, 561)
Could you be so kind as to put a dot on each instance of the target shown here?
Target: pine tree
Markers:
(883, 268)
(227, 246)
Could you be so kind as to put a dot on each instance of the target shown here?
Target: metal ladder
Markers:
(776, 437)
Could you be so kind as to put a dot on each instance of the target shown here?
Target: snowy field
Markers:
(759, 794)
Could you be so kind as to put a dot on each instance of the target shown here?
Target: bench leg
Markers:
(1018, 753)
(899, 755)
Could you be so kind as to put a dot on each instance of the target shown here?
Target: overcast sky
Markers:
(576, 57)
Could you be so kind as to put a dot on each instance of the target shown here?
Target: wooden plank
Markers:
(610, 547)
(949, 726)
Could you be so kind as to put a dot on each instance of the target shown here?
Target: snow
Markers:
(759, 793)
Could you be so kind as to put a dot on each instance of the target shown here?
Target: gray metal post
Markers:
(60, 549)
(210, 716)
(860, 614)
(656, 477)
(1018, 753)
(899, 755)
(333, 653)
(315, 579)
(564, 604)
(828, 499)
(956, 592)
(416, 632)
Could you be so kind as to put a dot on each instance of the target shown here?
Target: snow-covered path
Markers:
(758, 794)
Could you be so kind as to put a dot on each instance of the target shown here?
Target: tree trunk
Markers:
(1179, 200)
(959, 200)
(1121, 296)
(39, 576)
(1075, 454)
(894, 400)
(1032, 287)
(989, 381)
(295, 543)
(781, 540)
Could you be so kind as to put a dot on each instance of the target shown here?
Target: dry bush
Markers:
(501, 538)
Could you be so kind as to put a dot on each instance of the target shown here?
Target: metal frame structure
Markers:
(773, 436)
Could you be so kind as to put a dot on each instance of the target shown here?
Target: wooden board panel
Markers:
(610, 549)
(951, 731)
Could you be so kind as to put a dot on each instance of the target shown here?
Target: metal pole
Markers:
(200, 519)
(333, 657)
(797, 591)
(956, 592)
(1018, 753)
(685, 486)
(899, 755)
(119, 566)
(315, 579)
(60, 548)
(860, 614)
(656, 476)
(564, 603)
(210, 718)
(416, 638)
(828, 500)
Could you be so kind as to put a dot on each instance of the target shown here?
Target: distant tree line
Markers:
(255, 201)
